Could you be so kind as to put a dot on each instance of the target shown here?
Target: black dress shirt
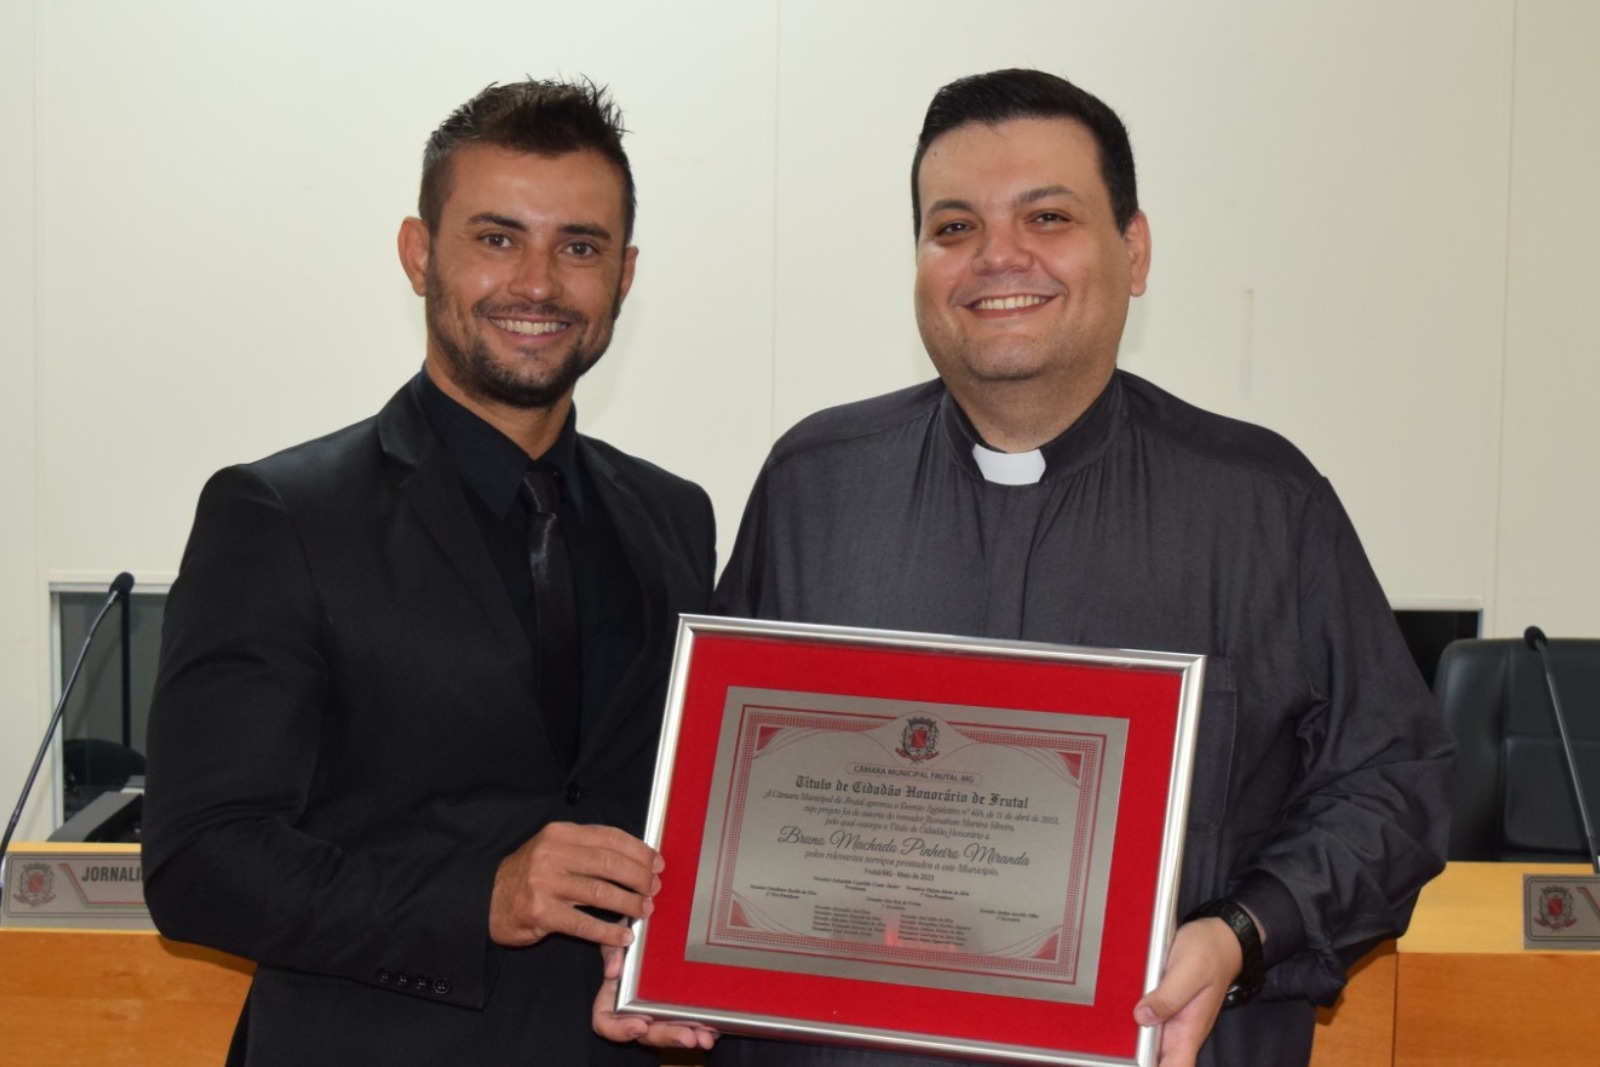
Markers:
(1320, 792)
(491, 466)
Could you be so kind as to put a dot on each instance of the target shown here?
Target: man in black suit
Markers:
(412, 672)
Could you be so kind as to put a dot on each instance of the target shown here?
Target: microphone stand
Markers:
(1536, 641)
(127, 672)
(119, 591)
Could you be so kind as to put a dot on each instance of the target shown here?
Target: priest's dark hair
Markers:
(546, 118)
(1002, 95)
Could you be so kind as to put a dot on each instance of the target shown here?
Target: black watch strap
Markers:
(1252, 971)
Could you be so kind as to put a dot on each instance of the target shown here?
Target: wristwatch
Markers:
(1252, 971)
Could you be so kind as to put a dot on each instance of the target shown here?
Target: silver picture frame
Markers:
(837, 894)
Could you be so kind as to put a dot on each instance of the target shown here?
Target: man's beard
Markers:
(473, 368)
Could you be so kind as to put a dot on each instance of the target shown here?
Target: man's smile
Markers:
(529, 328)
(1014, 302)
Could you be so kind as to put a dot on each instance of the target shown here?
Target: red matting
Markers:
(1148, 698)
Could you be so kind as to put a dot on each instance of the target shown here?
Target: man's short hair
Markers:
(1002, 95)
(545, 118)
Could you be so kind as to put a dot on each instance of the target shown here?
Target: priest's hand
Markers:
(1204, 960)
(543, 887)
(616, 1027)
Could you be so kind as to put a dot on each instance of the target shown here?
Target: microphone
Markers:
(121, 586)
(1536, 641)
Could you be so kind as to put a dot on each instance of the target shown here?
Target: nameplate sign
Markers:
(83, 887)
(1561, 912)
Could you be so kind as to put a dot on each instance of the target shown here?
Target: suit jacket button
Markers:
(422, 982)
(384, 978)
(403, 980)
(574, 793)
(441, 986)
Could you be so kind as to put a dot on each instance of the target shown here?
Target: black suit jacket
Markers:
(345, 742)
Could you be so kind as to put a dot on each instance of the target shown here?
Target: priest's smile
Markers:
(1010, 304)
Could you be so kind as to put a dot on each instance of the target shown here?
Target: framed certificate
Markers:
(939, 844)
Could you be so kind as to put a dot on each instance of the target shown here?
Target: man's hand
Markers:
(1204, 960)
(613, 1027)
(539, 887)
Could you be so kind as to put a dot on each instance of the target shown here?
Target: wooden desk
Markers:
(1358, 1031)
(119, 998)
(1459, 990)
(116, 998)
(1469, 994)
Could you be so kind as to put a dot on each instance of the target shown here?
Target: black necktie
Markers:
(560, 666)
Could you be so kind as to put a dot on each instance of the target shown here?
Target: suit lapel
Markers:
(436, 495)
(642, 546)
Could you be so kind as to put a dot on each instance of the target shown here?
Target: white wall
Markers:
(1546, 570)
(24, 646)
(1369, 223)
(1326, 185)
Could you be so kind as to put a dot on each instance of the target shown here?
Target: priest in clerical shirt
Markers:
(1036, 492)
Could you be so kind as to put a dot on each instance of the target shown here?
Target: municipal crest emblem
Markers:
(1555, 908)
(36, 885)
(919, 740)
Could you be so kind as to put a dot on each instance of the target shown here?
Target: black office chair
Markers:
(1513, 794)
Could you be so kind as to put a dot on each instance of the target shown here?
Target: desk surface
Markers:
(130, 998)
(1469, 995)
(81, 997)
(1475, 908)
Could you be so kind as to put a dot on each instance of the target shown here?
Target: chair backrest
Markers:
(1513, 794)
(93, 766)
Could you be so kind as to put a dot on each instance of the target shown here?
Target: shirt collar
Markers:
(489, 462)
(1061, 456)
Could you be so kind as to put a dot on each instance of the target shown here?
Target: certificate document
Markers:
(936, 845)
(939, 844)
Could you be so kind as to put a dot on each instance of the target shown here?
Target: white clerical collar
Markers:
(1009, 468)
